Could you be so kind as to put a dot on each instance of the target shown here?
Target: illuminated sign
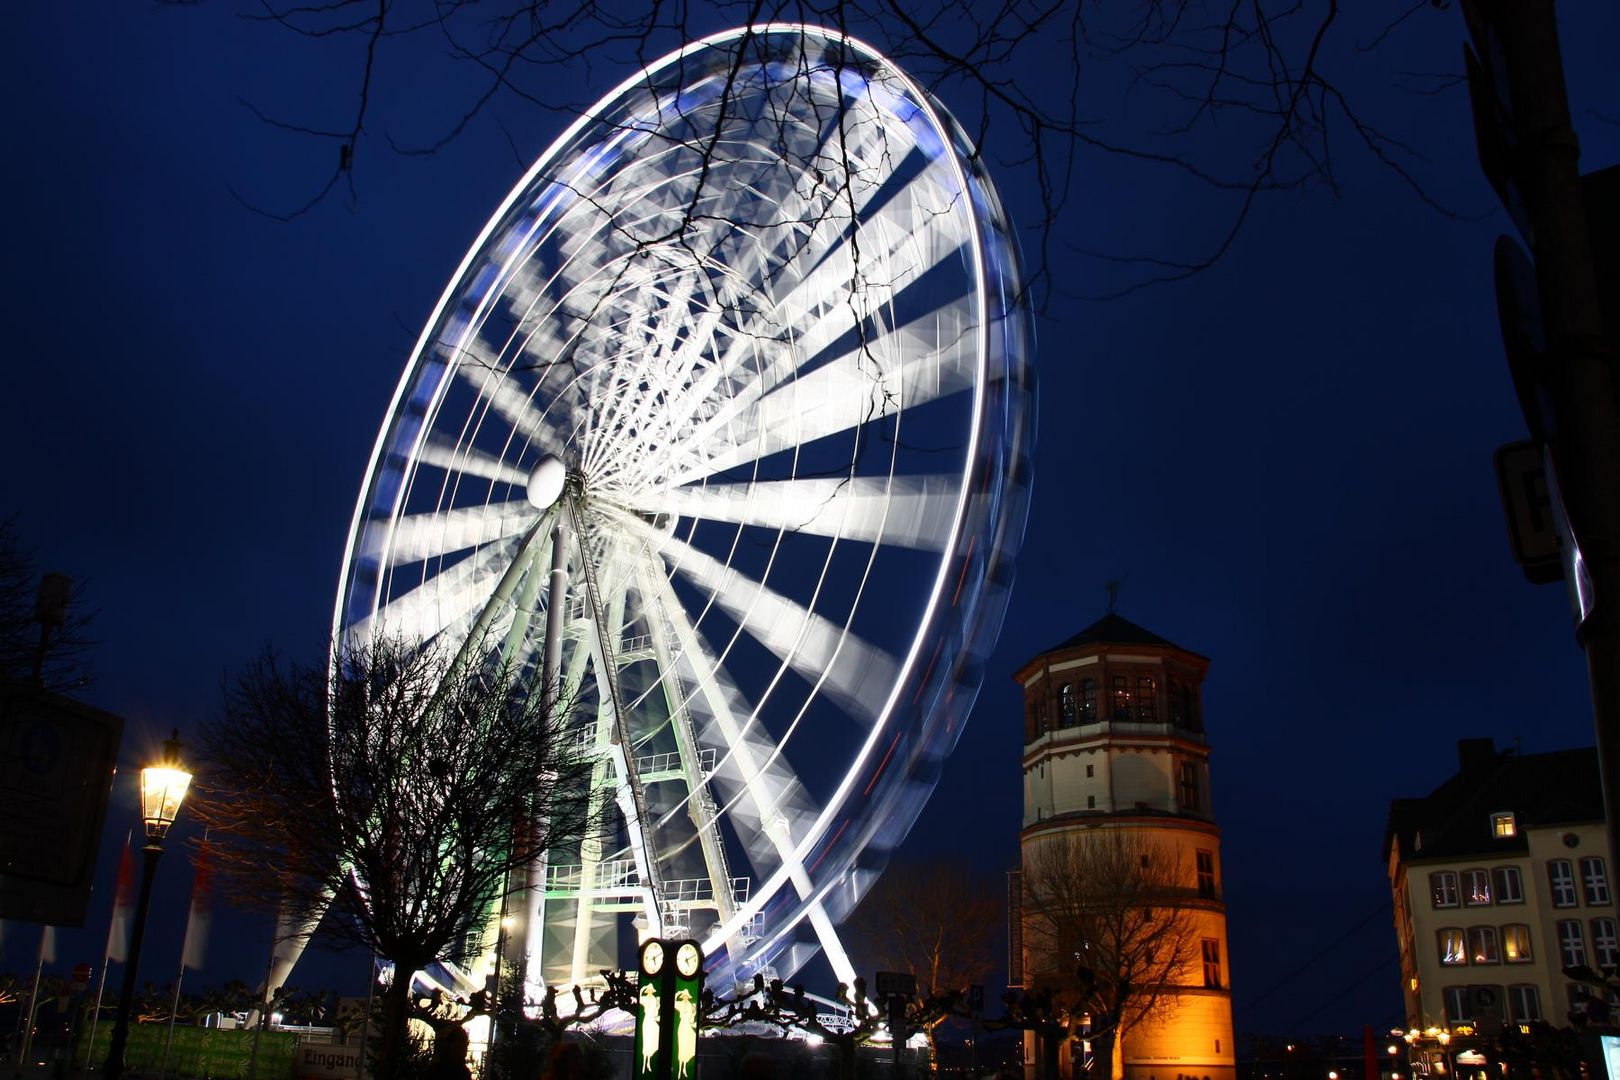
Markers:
(667, 1007)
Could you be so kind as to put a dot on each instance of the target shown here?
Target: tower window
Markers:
(1088, 702)
(1122, 698)
(1189, 785)
(1147, 699)
(1212, 962)
(1066, 705)
(1206, 874)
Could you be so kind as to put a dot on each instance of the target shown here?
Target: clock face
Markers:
(688, 958)
(652, 957)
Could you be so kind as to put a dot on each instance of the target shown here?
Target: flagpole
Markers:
(112, 928)
(95, 1015)
(174, 1008)
(45, 935)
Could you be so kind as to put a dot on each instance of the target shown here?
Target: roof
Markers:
(1542, 790)
(1115, 629)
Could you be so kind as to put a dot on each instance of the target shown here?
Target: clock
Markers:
(652, 957)
(688, 959)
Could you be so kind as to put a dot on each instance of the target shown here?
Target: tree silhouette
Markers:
(389, 788)
(1111, 930)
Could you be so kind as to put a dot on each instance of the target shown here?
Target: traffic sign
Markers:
(896, 984)
(1521, 478)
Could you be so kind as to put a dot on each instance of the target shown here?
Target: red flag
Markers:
(191, 954)
(123, 907)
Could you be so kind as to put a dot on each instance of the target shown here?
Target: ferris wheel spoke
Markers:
(911, 511)
(469, 461)
(835, 398)
(422, 612)
(823, 653)
(443, 532)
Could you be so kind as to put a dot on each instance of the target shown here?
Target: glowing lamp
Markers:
(163, 789)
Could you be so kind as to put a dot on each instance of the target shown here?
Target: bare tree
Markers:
(1111, 931)
(938, 920)
(43, 635)
(388, 786)
(1246, 99)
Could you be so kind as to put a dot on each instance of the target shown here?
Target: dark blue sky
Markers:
(1287, 457)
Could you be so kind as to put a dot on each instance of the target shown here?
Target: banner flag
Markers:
(191, 954)
(123, 907)
(47, 945)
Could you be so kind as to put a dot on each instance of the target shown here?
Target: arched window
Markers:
(1067, 705)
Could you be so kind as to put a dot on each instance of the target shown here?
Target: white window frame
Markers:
(1483, 946)
(1509, 884)
(1443, 890)
(1595, 881)
(1458, 1008)
(1453, 950)
(1571, 943)
(1605, 943)
(1476, 887)
(1523, 947)
(1561, 879)
(1524, 1003)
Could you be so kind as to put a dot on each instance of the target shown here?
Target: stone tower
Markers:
(1114, 740)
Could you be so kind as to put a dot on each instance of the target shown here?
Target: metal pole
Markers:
(365, 1024)
(33, 1003)
(174, 1008)
(120, 1036)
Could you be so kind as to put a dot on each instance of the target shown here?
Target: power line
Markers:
(1380, 909)
(1377, 969)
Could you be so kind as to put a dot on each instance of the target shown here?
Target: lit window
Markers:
(1516, 944)
(1482, 945)
(1457, 1010)
(1147, 695)
(1595, 879)
(1189, 785)
(1524, 1002)
(1122, 698)
(1452, 949)
(1503, 825)
(1443, 888)
(1067, 705)
(1088, 703)
(1212, 963)
(1605, 949)
(1561, 876)
(1571, 943)
(1509, 887)
(1476, 887)
(1206, 874)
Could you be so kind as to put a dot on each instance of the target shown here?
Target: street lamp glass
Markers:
(163, 789)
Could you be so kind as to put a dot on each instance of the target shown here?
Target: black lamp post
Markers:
(163, 788)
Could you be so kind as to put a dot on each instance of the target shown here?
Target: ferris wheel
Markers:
(722, 426)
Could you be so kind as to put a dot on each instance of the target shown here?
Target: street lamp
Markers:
(163, 789)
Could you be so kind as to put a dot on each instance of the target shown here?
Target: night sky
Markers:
(1286, 458)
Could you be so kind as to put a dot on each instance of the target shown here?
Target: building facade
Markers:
(1500, 879)
(1114, 740)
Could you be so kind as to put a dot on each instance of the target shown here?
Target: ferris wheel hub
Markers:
(546, 482)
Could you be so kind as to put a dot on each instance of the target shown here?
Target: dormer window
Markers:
(1504, 825)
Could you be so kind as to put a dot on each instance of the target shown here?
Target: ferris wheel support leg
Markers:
(755, 781)
(533, 903)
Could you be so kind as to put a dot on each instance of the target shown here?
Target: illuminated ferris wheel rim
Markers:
(389, 440)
